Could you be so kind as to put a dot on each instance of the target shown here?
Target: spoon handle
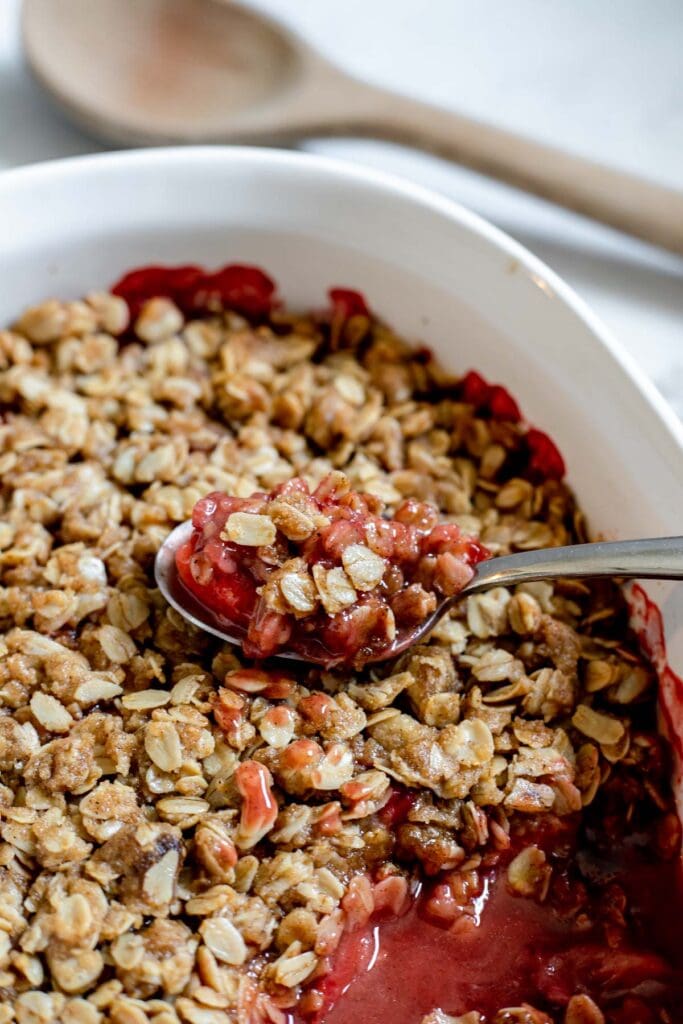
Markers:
(647, 209)
(657, 559)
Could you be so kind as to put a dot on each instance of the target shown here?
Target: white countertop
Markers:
(599, 78)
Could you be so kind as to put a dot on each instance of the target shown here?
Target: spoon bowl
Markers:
(170, 69)
(658, 558)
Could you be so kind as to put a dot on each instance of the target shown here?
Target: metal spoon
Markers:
(159, 71)
(660, 558)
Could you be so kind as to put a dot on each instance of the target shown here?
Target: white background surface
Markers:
(600, 77)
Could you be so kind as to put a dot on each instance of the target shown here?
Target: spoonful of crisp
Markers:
(325, 577)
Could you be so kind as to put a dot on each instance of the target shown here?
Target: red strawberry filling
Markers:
(489, 398)
(246, 290)
(469, 944)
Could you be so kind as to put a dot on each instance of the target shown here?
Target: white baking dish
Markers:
(440, 274)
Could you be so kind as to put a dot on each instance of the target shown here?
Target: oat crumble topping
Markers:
(186, 837)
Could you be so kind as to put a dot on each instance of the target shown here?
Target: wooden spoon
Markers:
(161, 71)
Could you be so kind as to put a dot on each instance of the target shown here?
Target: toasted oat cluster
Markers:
(189, 838)
(324, 574)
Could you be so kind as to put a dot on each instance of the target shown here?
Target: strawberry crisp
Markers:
(322, 573)
(479, 831)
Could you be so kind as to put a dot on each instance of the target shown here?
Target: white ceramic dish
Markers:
(438, 273)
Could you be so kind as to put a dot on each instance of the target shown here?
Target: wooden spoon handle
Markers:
(639, 207)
